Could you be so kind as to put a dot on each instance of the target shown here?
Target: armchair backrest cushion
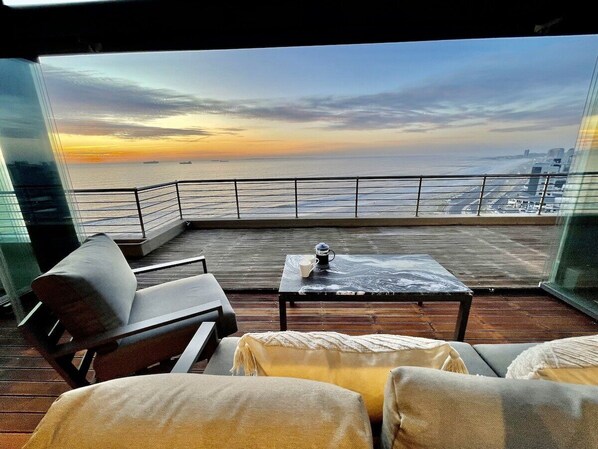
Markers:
(91, 290)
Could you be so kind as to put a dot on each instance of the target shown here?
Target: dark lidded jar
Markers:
(323, 254)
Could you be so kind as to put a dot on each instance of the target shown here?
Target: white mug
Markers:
(306, 266)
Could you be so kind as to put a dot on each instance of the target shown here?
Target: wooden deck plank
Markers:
(28, 385)
(480, 256)
(12, 388)
(19, 422)
(13, 440)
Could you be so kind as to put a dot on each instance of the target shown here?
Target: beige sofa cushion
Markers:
(572, 360)
(431, 409)
(201, 411)
(360, 363)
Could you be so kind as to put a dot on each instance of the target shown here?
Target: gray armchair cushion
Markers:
(425, 408)
(474, 363)
(91, 290)
(221, 361)
(500, 356)
(144, 349)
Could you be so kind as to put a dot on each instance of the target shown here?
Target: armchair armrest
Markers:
(176, 263)
(196, 348)
(135, 328)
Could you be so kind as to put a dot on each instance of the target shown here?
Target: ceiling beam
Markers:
(161, 25)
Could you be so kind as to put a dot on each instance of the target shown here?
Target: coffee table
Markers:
(384, 278)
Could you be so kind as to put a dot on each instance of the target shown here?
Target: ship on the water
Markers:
(151, 162)
(185, 162)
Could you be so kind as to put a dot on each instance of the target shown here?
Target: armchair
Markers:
(90, 311)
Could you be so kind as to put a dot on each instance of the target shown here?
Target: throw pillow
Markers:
(203, 411)
(573, 360)
(360, 364)
(431, 409)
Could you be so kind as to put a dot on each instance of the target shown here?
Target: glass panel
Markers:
(572, 274)
(36, 228)
(18, 3)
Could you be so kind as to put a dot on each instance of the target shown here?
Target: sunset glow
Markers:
(481, 96)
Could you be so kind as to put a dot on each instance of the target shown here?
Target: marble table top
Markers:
(372, 274)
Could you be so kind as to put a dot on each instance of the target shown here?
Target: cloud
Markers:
(459, 100)
(88, 94)
(90, 127)
(496, 96)
(514, 129)
(229, 130)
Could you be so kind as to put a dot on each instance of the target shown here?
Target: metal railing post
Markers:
(481, 195)
(419, 193)
(543, 194)
(140, 214)
(296, 201)
(356, 195)
(237, 200)
(178, 198)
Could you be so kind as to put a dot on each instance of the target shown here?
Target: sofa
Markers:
(423, 408)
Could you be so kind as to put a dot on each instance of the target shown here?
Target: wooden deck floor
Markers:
(28, 385)
(480, 256)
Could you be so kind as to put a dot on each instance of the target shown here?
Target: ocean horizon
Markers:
(143, 173)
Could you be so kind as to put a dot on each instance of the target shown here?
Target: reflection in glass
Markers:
(36, 225)
(572, 274)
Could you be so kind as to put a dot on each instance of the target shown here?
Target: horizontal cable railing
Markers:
(137, 212)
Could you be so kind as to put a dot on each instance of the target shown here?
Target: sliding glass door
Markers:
(572, 273)
(36, 225)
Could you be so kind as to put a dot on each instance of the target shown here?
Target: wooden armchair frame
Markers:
(47, 334)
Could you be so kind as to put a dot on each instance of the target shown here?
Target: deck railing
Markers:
(138, 211)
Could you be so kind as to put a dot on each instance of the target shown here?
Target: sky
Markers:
(485, 97)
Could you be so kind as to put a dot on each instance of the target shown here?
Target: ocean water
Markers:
(117, 212)
(140, 174)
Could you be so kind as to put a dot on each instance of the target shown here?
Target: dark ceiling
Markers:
(154, 25)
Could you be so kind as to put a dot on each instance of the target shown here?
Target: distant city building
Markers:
(536, 183)
(526, 153)
(532, 186)
(539, 194)
(556, 153)
(568, 160)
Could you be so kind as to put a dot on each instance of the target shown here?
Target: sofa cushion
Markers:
(221, 361)
(573, 360)
(202, 411)
(142, 350)
(474, 363)
(91, 290)
(500, 356)
(359, 363)
(430, 409)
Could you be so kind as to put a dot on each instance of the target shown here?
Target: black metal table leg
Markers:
(461, 326)
(282, 309)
